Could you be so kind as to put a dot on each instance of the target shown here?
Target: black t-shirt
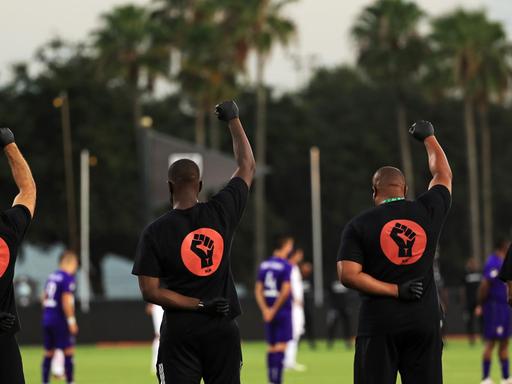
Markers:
(189, 250)
(396, 242)
(13, 225)
(506, 269)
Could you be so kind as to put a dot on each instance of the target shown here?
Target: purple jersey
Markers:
(497, 289)
(273, 273)
(58, 283)
(496, 313)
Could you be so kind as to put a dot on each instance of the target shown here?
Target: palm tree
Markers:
(201, 32)
(391, 52)
(493, 80)
(463, 43)
(127, 49)
(269, 27)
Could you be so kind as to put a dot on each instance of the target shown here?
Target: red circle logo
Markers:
(403, 241)
(5, 256)
(202, 250)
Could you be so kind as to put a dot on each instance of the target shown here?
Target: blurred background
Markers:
(135, 84)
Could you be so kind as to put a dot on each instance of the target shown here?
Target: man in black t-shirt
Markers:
(387, 254)
(183, 265)
(13, 225)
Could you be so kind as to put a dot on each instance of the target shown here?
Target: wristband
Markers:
(71, 320)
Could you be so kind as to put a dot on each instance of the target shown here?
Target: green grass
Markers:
(130, 365)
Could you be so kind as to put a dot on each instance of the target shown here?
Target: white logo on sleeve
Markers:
(494, 273)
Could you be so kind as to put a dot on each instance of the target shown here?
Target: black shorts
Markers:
(11, 368)
(415, 355)
(208, 349)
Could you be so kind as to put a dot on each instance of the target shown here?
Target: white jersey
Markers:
(297, 288)
(157, 313)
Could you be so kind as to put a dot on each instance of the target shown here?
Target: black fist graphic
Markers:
(404, 237)
(205, 253)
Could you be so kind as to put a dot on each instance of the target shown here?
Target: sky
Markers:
(323, 30)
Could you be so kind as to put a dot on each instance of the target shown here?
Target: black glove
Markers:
(6, 321)
(216, 306)
(411, 290)
(6, 137)
(422, 129)
(227, 110)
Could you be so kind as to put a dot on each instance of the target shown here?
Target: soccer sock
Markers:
(504, 368)
(270, 366)
(486, 368)
(279, 356)
(47, 363)
(68, 366)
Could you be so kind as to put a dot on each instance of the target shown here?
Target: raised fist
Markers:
(6, 137)
(205, 253)
(422, 129)
(404, 237)
(227, 111)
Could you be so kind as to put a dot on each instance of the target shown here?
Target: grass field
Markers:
(130, 365)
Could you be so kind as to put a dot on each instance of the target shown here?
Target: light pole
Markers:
(62, 103)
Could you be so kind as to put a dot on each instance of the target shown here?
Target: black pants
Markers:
(415, 355)
(209, 349)
(11, 367)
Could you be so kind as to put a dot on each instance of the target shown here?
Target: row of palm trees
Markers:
(464, 55)
(202, 47)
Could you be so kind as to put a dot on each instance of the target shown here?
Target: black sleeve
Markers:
(233, 199)
(351, 246)
(437, 201)
(147, 262)
(17, 219)
(506, 269)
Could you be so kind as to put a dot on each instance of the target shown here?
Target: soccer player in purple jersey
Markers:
(272, 293)
(492, 297)
(59, 322)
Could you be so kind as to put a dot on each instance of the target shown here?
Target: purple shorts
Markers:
(57, 336)
(280, 329)
(496, 321)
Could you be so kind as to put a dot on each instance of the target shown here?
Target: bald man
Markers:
(387, 254)
(183, 265)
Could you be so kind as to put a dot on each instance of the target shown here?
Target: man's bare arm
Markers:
(352, 276)
(260, 299)
(243, 152)
(22, 177)
(228, 112)
(438, 164)
(68, 307)
(152, 293)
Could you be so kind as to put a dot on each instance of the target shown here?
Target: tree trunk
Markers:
(200, 131)
(474, 206)
(405, 148)
(486, 179)
(261, 143)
